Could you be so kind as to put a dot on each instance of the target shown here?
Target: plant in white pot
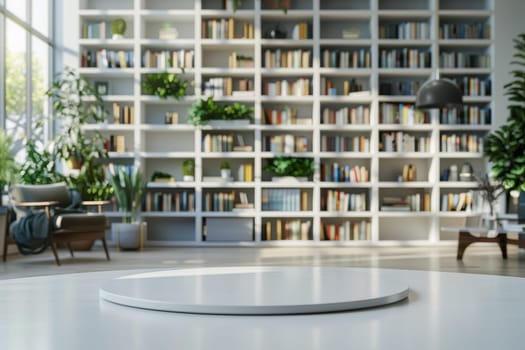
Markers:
(129, 185)
(226, 172)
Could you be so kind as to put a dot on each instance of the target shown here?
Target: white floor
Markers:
(445, 310)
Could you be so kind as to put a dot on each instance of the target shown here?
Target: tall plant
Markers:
(8, 167)
(505, 147)
(129, 185)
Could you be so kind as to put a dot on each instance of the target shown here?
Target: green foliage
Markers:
(505, 147)
(201, 111)
(164, 85)
(225, 165)
(188, 167)
(160, 175)
(128, 185)
(118, 26)
(290, 166)
(8, 167)
(40, 167)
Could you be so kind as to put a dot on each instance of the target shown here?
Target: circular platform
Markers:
(256, 290)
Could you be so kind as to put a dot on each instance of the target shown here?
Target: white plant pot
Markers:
(229, 123)
(188, 178)
(127, 236)
(289, 179)
(226, 174)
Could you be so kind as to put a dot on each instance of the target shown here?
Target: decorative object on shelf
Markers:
(438, 93)
(168, 32)
(102, 87)
(8, 166)
(118, 28)
(129, 185)
(202, 111)
(188, 169)
(505, 147)
(232, 5)
(275, 33)
(159, 176)
(291, 167)
(226, 172)
(467, 172)
(164, 85)
(409, 173)
(171, 118)
(491, 192)
(453, 174)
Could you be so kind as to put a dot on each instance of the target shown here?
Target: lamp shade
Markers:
(439, 93)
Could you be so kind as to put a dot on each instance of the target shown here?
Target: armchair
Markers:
(56, 221)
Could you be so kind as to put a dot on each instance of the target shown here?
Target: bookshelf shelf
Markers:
(334, 32)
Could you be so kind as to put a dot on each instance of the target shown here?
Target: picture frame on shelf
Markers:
(102, 88)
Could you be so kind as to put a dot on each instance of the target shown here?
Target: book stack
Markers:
(346, 231)
(289, 229)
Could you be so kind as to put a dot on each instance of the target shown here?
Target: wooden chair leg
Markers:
(70, 249)
(105, 247)
(54, 249)
(502, 242)
(6, 242)
(6, 236)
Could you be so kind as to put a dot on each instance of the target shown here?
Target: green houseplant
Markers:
(8, 166)
(40, 166)
(202, 111)
(164, 85)
(290, 166)
(505, 147)
(226, 171)
(188, 169)
(118, 28)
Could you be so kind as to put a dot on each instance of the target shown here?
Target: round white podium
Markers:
(257, 290)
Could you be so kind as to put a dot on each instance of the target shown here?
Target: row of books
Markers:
(115, 143)
(337, 58)
(287, 229)
(463, 201)
(404, 30)
(103, 58)
(355, 115)
(328, 87)
(287, 143)
(474, 30)
(399, 141)
(218, 87)
(467, 114)
(473, 86)
(245, 172)
(341, 143)
(170, 201)
(402, 88)
(168, 58)
(411, 202)
(404, 58)
(226, 28)
(402, 113)
(123, 114)
(334, 200)
(284, 199)
(456, 59)
(219, 201)
(286, 115)
(299, 87)
(280, 58)
(461, 143)
(301, 31)
(218, 143)
(336, 172)
(96, 30)
(349, 230)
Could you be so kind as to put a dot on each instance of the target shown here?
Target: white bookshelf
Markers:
(159, 147)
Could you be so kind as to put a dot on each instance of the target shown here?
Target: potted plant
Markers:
(75, 105)
(129, 186)
(118, 28)
(286, 168)
(204, 111)
(226, 172)
(505, 147)
(164, 85)
(188, 170)
(8, 167)
(40, 166)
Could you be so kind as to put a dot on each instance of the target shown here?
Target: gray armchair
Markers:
(45, 217)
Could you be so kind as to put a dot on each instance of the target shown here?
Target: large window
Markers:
(25, 68)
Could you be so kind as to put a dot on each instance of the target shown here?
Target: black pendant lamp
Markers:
(439, 93)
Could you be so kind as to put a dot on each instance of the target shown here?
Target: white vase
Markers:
(226, 174)
(127, 236)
